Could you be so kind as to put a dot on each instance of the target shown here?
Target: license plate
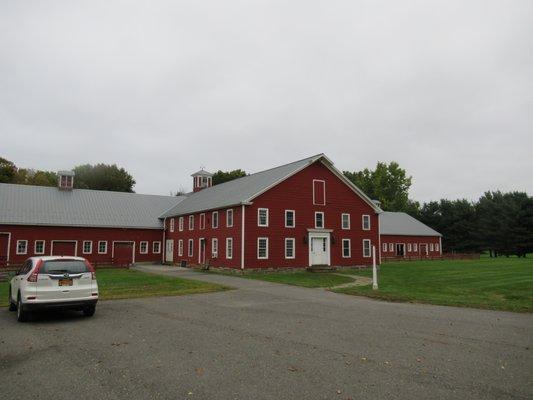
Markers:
(65, 282)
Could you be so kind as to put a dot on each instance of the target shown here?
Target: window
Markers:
(229, 218)
(436, 247)
(38, 247)
(391, 246)
(262, 217)
(415, 247)
(156, 247)
(384, 246)
(191, 247)
(289, 219)
(345, 221)
(346, 248)
(87, 247)
(319, 192)
(143, 247)
(191, 222)
(431, 247)
(214, 247)
(289, 247)
(366, 248)
(409, 248)
(172, 225)
(180, 247)
(214, 221)
(262, 248)
(229, 247)
(366, 222)
(180, 224)
(319, 219)
(102, 247)
(202, 221)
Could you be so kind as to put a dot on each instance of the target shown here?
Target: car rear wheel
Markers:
(89, 311)
(22, 316)
(12, 306)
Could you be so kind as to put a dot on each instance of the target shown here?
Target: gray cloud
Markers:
(162, 87)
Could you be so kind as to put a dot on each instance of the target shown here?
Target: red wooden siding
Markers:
(58, 234)
(296, 193)
(62, 248)
(412, 240)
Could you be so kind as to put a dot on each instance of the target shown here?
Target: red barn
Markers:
(103, 226)
(300, 214)
(404, 237)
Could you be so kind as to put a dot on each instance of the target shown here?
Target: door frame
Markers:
(321, 234)
(123, 241)
(166, 251)
(8, 245)
(200, 241)
(404, 250)
(64, 241)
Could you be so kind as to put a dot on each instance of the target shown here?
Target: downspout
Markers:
(164, 244)
(242, 236)
(440, 245)
(379, 239)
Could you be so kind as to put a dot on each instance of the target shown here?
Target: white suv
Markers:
(53, 282)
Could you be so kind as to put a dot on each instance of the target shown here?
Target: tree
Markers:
(388, 183)
(103, 177)
(226, 176)
(7, 171)
(35, 177)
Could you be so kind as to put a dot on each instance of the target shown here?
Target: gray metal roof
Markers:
(39, 205)
(243, 190)
(399, 223)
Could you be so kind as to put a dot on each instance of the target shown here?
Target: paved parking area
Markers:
(267, 341)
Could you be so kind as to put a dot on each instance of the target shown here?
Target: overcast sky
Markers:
(163, 87)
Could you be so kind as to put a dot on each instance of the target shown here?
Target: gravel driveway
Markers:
(267, 341)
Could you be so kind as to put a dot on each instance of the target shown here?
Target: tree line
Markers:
(96, 177)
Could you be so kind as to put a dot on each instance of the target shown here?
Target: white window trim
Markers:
(191, 222)
(214, 253)
(415, 247)
(349, 248)
(190, 248)
(323, 220)
(391, 247)
(436, 247)
(180, 248)
(172, 225)
(431, 247)
(154, 249)
(259, 217)
(202, 221)
(90, 248)
(409, 247)
(342, 221)
(228, 255)
(293, 219)
(363, 222)
(180, 224)
(314, 197)
(258, 240)
(35, 246)
(385, 247)
(99, 242)
(145, 243)
(213, 219)
(229, 212)
(369, 248)
(293, 240)
(25, 247)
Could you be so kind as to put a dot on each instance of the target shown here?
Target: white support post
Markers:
(374, 270)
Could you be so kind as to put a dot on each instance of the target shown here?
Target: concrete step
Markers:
(321, 268)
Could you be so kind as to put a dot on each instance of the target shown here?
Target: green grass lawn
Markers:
(305, 279)
(498, 284)
(127, 284)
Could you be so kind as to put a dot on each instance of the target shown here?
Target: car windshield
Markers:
(63, 267)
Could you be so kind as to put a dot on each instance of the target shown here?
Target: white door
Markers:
(169, 251)
(319, 251)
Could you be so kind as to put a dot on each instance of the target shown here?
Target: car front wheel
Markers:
(12, 306)
(22, 316)
(89, 311)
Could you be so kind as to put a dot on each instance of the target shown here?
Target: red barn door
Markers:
(123, 253)
(65, 248)
(4, 243)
